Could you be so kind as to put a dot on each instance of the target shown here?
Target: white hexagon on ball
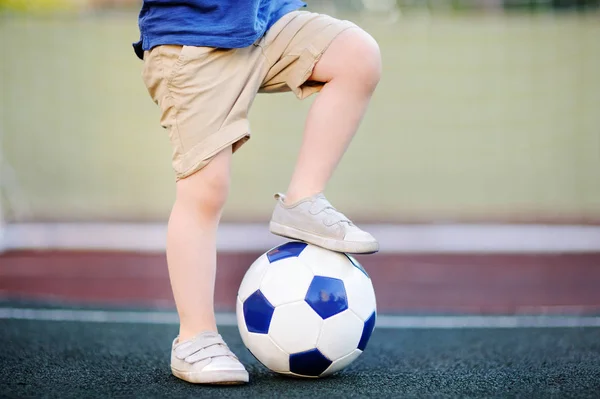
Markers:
(269, 354)
(251, 281)
(340, 335)
(342, 363)
(360, 294)
(289, 270)
(326, 263)
(295, 327)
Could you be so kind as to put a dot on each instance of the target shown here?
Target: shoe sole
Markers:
(350, 247)
(229, 377)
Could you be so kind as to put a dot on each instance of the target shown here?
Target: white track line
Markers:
(229, 319)
(256, 237)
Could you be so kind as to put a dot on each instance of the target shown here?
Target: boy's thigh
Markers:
(204, 95)
(292, 48)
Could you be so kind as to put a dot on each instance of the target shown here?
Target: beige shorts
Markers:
(205, 93)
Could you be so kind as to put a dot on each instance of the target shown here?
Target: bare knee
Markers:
(207, 190)
(367, 59)
(354, 55)
(207, 195)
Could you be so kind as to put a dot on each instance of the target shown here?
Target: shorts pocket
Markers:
(186, 55)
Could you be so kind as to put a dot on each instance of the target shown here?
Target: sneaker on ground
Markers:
(206, 359)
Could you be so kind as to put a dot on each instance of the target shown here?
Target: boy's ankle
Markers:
(186, 335)
(292, 198)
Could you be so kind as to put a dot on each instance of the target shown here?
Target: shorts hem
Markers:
(309, 58)
(201, 154)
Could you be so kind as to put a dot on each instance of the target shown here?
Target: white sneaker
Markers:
(206, 359)
(316, 221)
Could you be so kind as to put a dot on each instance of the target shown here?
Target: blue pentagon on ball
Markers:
(327, 296)
(287, 250)
(311, 363)
(367, 331)
(258, 312)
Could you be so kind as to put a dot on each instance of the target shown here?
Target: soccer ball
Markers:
(305, 311)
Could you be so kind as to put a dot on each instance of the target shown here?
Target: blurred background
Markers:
(487, 111)
(480, 154)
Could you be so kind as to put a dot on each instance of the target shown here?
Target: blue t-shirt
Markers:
(208, 23)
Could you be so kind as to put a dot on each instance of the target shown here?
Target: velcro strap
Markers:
(213, 351)
(334, 216)
(319, 205)
(189, 348)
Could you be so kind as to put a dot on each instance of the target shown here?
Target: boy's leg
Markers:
(199, 354)
(313, 53)
(191, 244)
(350, 69)
(204, 96)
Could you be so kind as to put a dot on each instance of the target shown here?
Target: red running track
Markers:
(404, 283)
